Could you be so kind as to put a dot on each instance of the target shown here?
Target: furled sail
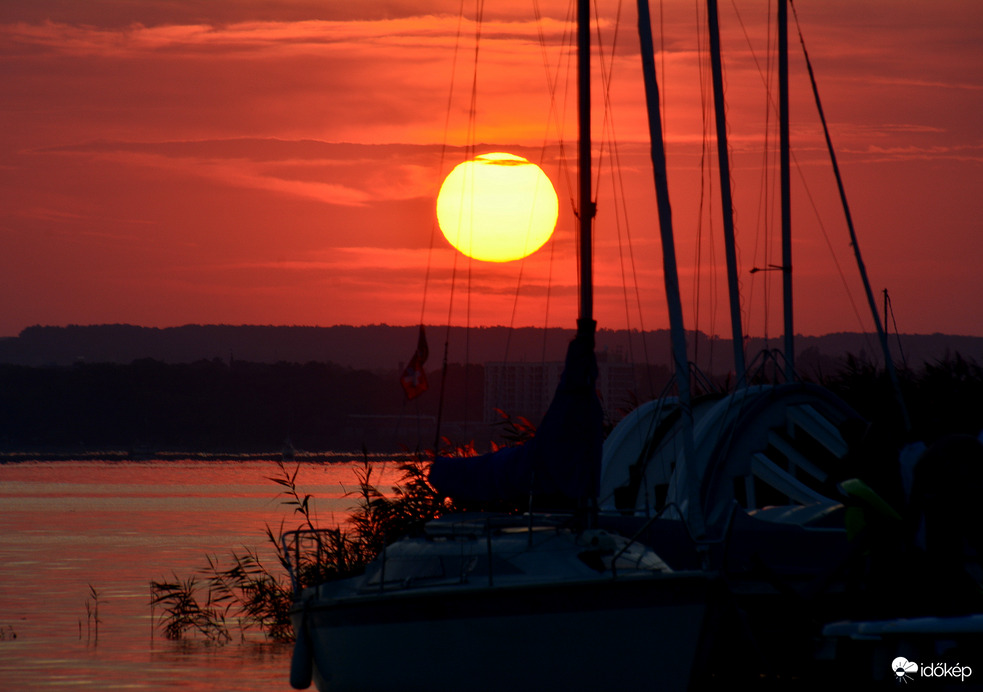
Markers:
(563, 458)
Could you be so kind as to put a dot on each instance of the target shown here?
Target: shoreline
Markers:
(14, 457)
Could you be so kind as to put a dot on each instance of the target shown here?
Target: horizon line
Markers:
(633, 330)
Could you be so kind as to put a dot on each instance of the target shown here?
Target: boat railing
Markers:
(312, 556)
(475, 550)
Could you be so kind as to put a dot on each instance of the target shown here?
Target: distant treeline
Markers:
(387, 347)
(229, 405)
(219, 405)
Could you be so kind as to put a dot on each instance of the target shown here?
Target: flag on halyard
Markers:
(414, 379)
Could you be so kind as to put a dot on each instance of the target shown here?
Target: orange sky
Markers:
(248, 162)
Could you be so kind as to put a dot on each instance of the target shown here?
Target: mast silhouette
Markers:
(862, 268)
(586, 209)
(693, 511)
(726, 202)
(785, 149)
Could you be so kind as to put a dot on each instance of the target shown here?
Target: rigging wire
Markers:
(706, 199)
(607, 70)
(620, 216)
(566, 60)
(443, 158)
(704, 145)
(623, 225)
(763, 204)
(832, 253)
(472, 144)
(558, 121)
(553, 81)
(888, 363)
(553, 120)
(469, 148)
(764, 238)
(662, 67)
(768, 180)
(433, 240)
(558, 118)
(889, 307)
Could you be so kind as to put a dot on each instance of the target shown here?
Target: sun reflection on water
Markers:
(116, 526)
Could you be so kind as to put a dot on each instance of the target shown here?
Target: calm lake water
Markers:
(116, 526)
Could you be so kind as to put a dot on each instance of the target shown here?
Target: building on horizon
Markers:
(527, 388)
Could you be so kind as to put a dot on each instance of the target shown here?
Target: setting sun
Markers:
(497, 207)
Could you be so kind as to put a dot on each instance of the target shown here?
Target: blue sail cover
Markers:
(563, 458)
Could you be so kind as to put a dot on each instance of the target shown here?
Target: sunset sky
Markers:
(165, 162)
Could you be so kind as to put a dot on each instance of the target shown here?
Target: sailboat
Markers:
(700, 525)
(488, 602)
(759, 485)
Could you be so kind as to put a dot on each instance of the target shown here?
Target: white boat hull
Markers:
(626, 633)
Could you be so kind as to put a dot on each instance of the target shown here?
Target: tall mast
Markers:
(693, 509)
(726, 203)
(585, 321)
(881, 333)
(784, 146)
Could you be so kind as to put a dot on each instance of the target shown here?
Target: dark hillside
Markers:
(215, 405)
(384, 347)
